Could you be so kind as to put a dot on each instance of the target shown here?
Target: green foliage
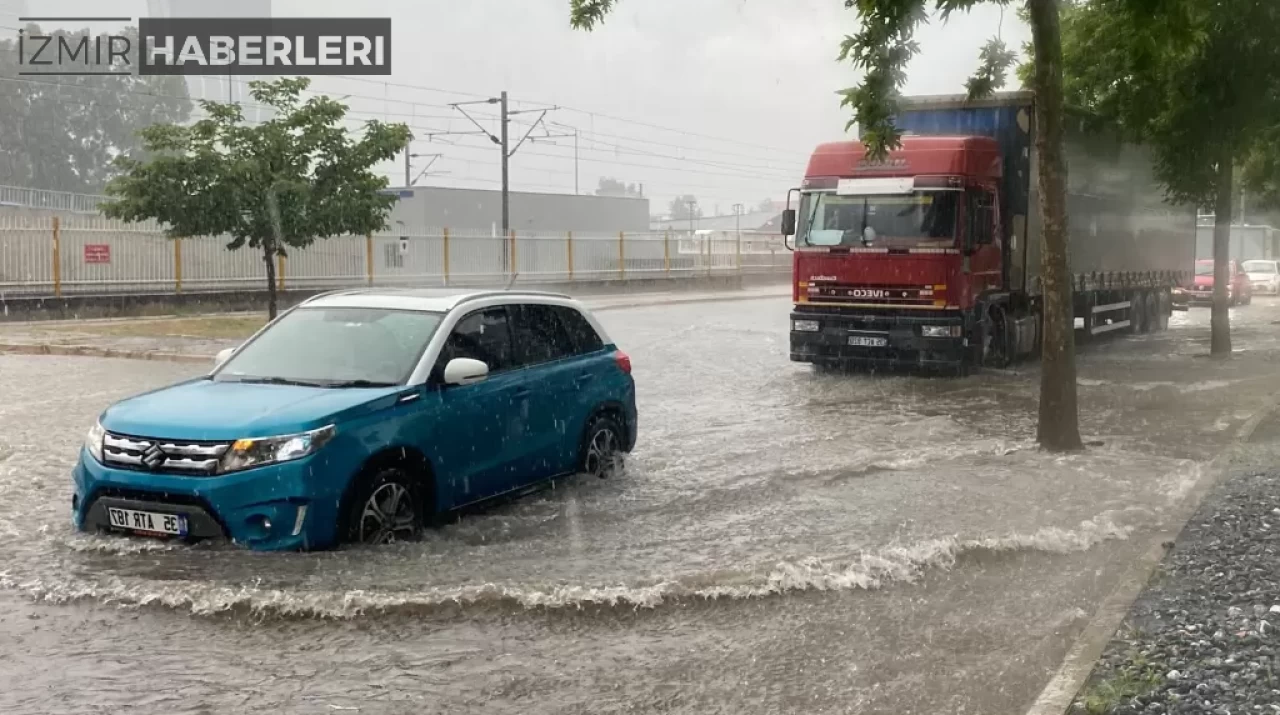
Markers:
(1195, 79)
(63, 133)
(586, 14)
(1134, 679)
(1260, 170)
(993, 72)
(285, 182)
(684, 207)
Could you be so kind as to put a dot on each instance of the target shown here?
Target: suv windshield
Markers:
(1259, 267)
(335, 347)
(924, 218)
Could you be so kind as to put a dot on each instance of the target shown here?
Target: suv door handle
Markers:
(588, 377)
(521, 392)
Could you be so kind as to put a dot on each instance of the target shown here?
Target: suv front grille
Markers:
(145, 454)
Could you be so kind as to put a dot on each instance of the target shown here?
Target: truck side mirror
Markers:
(789, 222)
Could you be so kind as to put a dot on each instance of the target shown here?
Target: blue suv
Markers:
(360, 417)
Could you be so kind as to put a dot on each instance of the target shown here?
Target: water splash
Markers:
(870, 570)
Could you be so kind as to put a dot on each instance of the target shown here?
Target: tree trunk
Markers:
(269, 257)
(1220, 345)
(1059, 428)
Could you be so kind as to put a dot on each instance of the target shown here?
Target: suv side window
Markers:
(585, 338)
(484, 335)
(539, 336)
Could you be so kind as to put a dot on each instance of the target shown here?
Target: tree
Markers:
(610, 186)
(280, 184)
(883, 46)
(63, 133)
(764, 205)
(685, 207)
(1198, 82)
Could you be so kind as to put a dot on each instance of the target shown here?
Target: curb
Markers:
(94, 351)
(1061, 691)
(684, 301)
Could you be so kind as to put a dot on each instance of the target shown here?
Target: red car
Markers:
(1240, 292)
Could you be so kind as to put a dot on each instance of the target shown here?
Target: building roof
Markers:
(433, 300)
(754, 221)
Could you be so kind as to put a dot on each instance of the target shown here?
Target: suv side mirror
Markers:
(223, 356)
(789, 222)
(465, 371)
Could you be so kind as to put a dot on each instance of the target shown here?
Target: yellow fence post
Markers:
(368, 257)
(446, 256)
(622, 256)
(57, 256)
(177, 265)
(666, 252)
(569, 248)
(280, 272)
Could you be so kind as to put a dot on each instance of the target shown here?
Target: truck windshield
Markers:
(923, 218)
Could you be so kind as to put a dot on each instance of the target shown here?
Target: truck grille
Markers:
(876, 294)
(145, 454)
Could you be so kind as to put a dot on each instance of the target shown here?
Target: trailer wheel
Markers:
(1138, 316)
(1152, 309)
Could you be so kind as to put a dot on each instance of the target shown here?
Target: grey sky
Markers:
(750, 84)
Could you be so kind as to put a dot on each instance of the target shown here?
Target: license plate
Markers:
(863, 341)
(149, 522)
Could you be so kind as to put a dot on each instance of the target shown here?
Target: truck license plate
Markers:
(148, 522)
(863, 341)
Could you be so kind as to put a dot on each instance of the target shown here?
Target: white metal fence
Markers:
(54, 256)
(44, 199)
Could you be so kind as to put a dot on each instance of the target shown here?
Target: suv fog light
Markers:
(940, 331)
(805, 326)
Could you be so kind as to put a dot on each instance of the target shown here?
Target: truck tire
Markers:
(1138, 316)
(996, 347)
(1152, 309)
(1164, 306)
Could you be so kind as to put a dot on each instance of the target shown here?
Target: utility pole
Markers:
(506, 177)
(692, 203)
(737, 219)
(407, 156)
(503, 140)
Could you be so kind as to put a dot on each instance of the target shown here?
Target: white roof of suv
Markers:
(436, 300)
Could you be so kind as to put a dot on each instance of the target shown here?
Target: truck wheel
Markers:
(996, 346)
(1152, 309)
(1138, 313)
(1164, 305)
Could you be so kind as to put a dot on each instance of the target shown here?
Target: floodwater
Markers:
(782, 541)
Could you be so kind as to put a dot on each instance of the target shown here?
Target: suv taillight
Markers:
(624, 362)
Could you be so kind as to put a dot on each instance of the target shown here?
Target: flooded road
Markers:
(782, 541)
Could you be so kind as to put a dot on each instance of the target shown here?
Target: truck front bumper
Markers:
(841, 339)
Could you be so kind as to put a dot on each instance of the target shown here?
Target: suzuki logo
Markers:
(153, 457)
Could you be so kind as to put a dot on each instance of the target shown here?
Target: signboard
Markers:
(97, 253)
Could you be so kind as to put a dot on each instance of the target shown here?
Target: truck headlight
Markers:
(93, 440)
(940, 331)
(805, 326)
(249, 453)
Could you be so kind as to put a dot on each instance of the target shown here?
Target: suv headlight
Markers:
(93, 440)
(249, 453)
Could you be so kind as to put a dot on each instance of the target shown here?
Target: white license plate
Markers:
(150, 522)
(863, 341)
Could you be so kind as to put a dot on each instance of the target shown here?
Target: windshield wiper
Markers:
(275, 381)
(360, 383)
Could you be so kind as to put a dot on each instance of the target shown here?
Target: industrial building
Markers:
(480, 211)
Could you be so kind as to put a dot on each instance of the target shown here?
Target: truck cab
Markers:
(892, 257)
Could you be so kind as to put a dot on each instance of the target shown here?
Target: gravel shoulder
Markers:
(1204, 637)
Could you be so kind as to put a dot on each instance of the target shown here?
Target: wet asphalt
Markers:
(782, 541)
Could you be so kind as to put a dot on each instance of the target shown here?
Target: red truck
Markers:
(931, 257)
